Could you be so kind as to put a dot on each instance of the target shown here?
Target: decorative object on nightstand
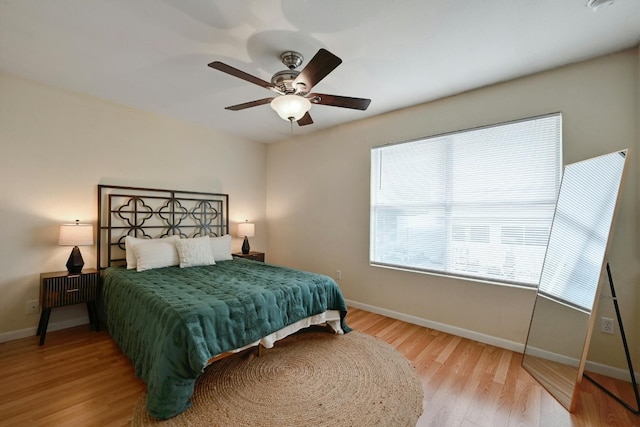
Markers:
(75, 235)
(246, 230)
(252, 255)
(62, 288)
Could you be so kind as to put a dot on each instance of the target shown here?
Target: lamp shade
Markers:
(76, 234)
(246, 229)
(290, 107)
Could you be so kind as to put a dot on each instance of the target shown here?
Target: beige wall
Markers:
(318, 198)
(57, 146)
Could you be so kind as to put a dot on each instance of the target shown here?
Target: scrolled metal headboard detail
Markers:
(154, 213)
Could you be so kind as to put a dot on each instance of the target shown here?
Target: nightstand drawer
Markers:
(66, 290)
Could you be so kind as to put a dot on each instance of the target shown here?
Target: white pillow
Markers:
(193, 252)
(221, 247)
(156, 253)
(131, 242)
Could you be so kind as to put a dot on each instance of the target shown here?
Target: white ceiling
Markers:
(153, 54)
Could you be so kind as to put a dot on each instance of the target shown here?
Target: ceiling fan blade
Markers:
(339, 101)
(317, 69)
(305, 120)
(249, 104)
(240, 74)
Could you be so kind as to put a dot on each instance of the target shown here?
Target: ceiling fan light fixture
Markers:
(290, 107)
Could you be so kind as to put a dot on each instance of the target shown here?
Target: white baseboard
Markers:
(517, 347)
(31, 332)
(610, 371)
(453, 330)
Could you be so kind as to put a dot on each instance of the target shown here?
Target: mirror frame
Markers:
(559, 377)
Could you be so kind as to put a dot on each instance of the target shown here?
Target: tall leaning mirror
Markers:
(562, 321)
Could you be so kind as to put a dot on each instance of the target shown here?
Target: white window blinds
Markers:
(476, 203)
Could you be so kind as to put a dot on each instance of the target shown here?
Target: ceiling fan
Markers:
(294, 99)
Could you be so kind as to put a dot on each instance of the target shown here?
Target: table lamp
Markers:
(75, 235)
(246, 229)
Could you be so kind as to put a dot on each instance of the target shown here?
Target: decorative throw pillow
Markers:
(156, 253)
(131, 242)
(221, 247)
(195, 251)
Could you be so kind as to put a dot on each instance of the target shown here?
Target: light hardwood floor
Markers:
(80, 378)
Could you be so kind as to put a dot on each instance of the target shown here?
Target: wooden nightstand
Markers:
(253, 255)
(61, 288)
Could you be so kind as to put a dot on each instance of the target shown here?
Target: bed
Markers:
(175, 299)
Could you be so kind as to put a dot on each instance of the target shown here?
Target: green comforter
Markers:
(171, 321)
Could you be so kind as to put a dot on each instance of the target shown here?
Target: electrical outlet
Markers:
(606, 326)
(33, 306)
(338, 275)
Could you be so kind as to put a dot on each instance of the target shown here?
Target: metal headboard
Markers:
(154, 213)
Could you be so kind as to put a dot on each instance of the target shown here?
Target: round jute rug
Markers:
(308, 379)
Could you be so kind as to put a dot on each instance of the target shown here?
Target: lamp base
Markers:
(75, 261)
(245, 246)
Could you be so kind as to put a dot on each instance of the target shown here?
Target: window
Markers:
(476, 203)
